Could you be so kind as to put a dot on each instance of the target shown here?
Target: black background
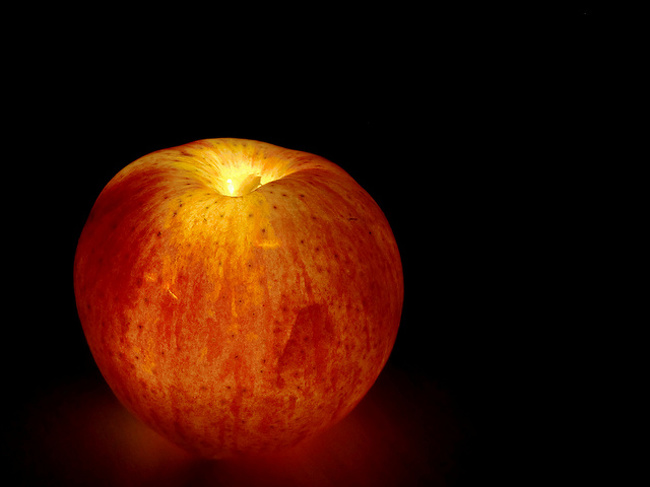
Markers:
(471, 136)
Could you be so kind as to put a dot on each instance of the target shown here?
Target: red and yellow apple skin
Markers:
(237, 297)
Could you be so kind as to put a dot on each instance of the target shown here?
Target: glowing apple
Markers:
(238, 297)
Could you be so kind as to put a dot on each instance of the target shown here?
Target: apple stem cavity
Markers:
(241, 187)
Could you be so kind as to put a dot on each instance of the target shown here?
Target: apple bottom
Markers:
(232, 437)
(243, 419)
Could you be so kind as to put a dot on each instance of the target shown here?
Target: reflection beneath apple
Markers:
(402, 433)
(81, 435)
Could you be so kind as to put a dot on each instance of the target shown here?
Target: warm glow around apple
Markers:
(238, 297)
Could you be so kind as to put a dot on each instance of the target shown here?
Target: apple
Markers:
(237, 297)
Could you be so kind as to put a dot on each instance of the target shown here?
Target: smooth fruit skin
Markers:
(237, 325)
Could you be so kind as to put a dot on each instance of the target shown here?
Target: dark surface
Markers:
(479, 163)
